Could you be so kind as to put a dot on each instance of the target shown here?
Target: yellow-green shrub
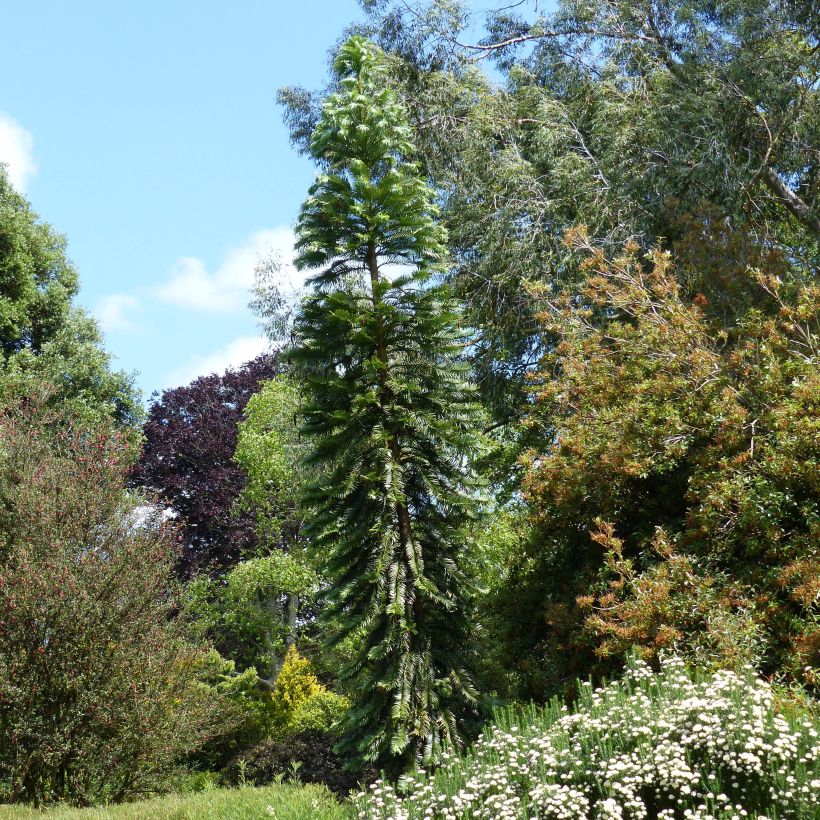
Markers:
(320, 712)
(299, 701)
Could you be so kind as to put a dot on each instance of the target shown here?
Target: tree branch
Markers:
(793, 203)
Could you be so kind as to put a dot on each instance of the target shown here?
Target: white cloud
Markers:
(234, 354)
(226, 290)
(112, 312)
(16, 152)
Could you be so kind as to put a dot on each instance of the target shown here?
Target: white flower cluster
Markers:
(666, 746)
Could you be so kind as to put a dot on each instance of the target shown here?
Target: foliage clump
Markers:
(187, 462)
(306, 757)
(43, 335)
(99, 697)
(251, 613)
(667, 745)
(271, 453)
(255, 710)
(302, 723)
(300, 702)
(674, 486)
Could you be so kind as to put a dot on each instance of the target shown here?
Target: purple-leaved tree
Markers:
(187, 462)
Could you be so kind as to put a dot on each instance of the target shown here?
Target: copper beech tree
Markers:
(188, 462)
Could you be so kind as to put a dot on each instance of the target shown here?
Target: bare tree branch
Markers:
(793, 203)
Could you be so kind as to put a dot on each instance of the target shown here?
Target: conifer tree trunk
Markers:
(402, 514)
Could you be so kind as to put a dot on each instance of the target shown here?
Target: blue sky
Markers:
(148, 133)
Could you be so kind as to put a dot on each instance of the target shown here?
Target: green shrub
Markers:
(295, 684)
(251, 712)
(321, 712)
(664, 746)
(246, 713)
(300, 702)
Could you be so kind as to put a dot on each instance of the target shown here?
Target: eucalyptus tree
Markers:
(391, 417)
(625, 117)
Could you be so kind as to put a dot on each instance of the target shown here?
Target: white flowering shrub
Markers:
(671, 746)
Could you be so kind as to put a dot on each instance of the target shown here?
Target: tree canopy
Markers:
(42, 334)
(683, 136)
(618, 116)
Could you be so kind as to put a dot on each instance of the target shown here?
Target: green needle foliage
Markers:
(392, 419)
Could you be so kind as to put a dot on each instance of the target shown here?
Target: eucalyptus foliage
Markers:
(391, 418)
(269, 450)
(621, 116)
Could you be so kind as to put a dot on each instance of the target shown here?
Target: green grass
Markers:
(279, 802)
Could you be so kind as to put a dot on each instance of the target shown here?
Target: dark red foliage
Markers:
(187, 461)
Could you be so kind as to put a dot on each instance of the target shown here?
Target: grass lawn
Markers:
(280, 802)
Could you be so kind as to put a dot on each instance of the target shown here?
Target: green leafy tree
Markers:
(270, 451)
(391, 417)
(43, 337)
(251, 614)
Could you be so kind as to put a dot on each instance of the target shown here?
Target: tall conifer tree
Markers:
(392, 418)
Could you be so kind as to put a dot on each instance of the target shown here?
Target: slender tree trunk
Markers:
(402, 513)
(293, 609)
(271, 605)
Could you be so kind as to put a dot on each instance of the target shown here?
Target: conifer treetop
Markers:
(364, 118)
(371, 196)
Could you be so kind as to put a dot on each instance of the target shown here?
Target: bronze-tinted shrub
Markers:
(98, 691)
(673, 480)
